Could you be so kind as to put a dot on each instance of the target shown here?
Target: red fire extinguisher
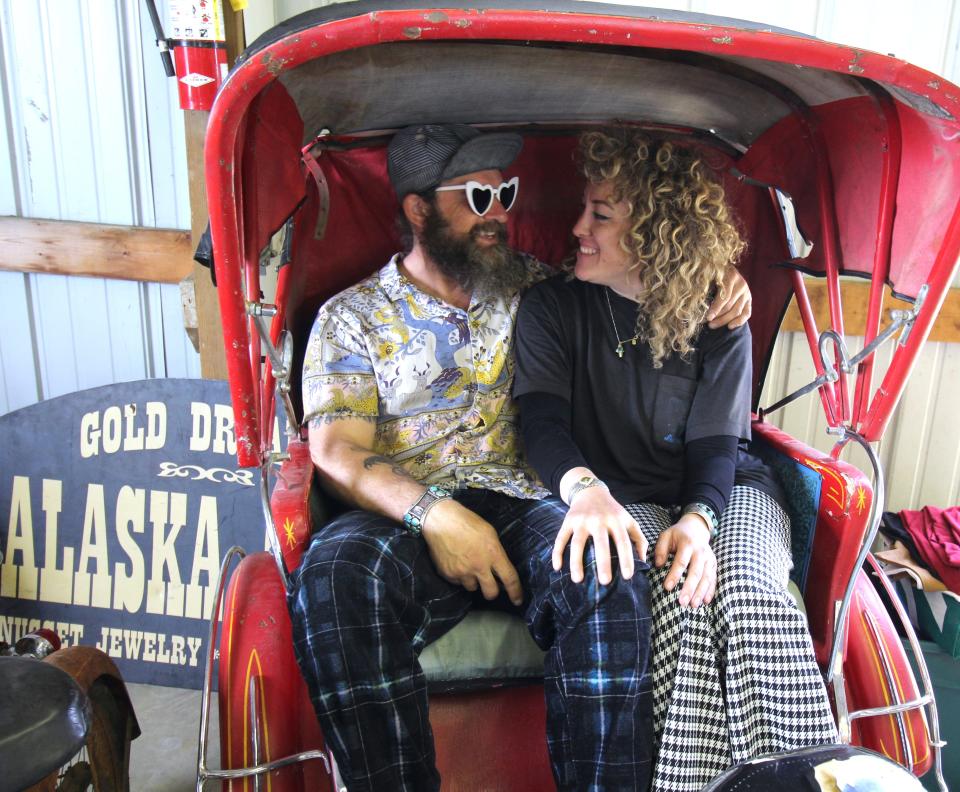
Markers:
(199, 49)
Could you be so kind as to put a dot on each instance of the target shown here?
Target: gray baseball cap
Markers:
(421, 156)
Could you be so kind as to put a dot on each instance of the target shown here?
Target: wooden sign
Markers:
(117, 505)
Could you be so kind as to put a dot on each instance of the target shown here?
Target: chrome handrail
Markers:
(891, 709)
(873, 521)
(835, 665)
(266, 767)
(204, 773)
(901, 321)
(932, 715)
(213, 635)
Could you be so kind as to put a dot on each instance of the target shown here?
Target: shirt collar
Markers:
(398, 287)
(394, 284)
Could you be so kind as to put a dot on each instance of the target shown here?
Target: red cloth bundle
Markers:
(936, 533)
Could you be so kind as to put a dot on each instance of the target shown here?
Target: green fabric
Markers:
(801, 488)
(938, 614)
(795, 593)
(485, 645)
(945, 677)
(493, 645)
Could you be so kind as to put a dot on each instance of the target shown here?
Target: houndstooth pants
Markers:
(736, 678)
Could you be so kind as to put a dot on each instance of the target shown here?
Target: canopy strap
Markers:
(311, 163)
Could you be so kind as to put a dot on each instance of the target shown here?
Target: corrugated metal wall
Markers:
(92, 133)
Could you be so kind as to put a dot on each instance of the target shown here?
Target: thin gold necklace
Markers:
(631, 341)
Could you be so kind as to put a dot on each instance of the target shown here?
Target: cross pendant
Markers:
(620, 350)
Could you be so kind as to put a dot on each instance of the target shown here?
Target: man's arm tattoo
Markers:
(379, 459)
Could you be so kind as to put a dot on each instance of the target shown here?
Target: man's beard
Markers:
(493, 269)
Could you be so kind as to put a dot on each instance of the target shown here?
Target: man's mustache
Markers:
(491, 226)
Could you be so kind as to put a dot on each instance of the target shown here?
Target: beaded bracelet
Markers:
(416, 514)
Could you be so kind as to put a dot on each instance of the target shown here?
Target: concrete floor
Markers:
(164, 757)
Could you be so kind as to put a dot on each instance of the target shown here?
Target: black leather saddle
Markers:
(44, 718)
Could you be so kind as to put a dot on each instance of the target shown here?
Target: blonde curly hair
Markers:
(681, 238)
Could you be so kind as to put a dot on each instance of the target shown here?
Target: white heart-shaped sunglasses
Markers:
(480, 196)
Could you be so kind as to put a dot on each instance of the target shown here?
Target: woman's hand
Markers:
(688, 540)
(595, 514)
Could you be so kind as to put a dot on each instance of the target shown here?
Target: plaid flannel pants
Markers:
(367, 599)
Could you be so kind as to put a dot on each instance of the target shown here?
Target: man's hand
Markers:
(595, 514)
(466, 550)
(733, 307)
(688, 540)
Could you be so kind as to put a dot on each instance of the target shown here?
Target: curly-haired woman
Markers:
(635, 412)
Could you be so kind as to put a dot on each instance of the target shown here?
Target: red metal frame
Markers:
(889, 179)
(827, 395)
(842, 517)
(891, 388)
(256, 650)
(290, 503)
(254, 75)
(831, 251)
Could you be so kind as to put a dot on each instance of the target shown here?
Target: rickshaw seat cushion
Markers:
(486, 645)
(493, 647)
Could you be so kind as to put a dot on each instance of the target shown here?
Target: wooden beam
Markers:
(855, 296)
(97, 251)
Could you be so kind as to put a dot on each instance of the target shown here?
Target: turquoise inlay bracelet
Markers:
(416, 514)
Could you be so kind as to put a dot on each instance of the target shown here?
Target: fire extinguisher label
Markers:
(199, 20)
(195, 80)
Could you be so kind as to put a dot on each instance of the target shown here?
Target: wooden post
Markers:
(209, 332)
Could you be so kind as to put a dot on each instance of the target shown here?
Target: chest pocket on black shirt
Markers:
(670, 411)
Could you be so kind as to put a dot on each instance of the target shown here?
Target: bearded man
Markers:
(406, 389)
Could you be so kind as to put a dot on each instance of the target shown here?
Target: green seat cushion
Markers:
(485, 645)
(795, 593)
(492, 645)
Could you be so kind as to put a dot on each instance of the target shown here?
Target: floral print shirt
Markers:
(435, 378)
